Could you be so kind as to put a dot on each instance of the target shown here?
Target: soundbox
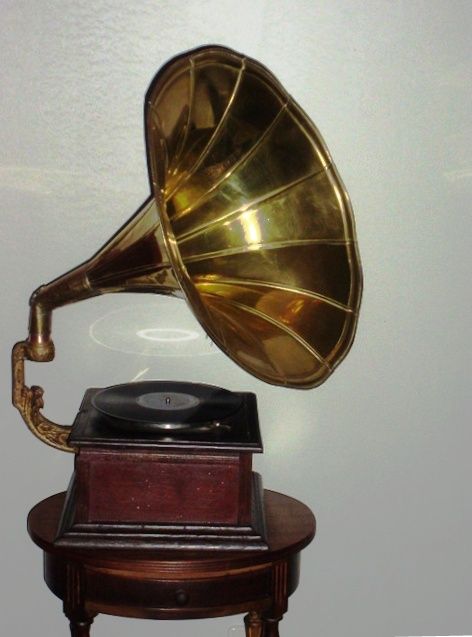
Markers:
(249, 222)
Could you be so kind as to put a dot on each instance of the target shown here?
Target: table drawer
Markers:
(112, 590)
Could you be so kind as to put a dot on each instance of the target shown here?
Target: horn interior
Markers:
(256, 220)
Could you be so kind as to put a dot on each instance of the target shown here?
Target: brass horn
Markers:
(248, 219)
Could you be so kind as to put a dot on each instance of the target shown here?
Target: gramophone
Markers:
(248, 221)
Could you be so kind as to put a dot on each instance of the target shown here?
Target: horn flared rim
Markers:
(179, 64)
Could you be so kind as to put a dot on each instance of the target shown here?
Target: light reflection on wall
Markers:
(143, 329)
(167, 335)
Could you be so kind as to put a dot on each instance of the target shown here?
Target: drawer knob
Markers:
(181, 597)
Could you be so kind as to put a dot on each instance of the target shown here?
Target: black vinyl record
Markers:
(166, 406)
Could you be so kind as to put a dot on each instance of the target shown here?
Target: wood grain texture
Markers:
(157, 530)
(160, 487)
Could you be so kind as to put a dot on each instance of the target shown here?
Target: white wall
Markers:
(381, 452)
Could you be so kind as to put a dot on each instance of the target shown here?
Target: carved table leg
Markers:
(74, 601)
(80, 628)
(271, 626)
(280, 586)
(253, 624)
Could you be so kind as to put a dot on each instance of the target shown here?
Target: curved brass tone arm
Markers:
(39, 347)
(29, 402)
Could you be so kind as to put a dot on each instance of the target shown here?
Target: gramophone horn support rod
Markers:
(39, 347)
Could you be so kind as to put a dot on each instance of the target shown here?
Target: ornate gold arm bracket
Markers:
(29, 402)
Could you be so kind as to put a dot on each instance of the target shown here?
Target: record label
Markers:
(167, 401)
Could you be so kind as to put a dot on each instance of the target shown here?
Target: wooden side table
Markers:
(177, 584)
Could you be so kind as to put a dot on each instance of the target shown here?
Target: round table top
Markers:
(290, 527)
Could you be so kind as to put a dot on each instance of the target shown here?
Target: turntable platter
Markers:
(166, 406)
